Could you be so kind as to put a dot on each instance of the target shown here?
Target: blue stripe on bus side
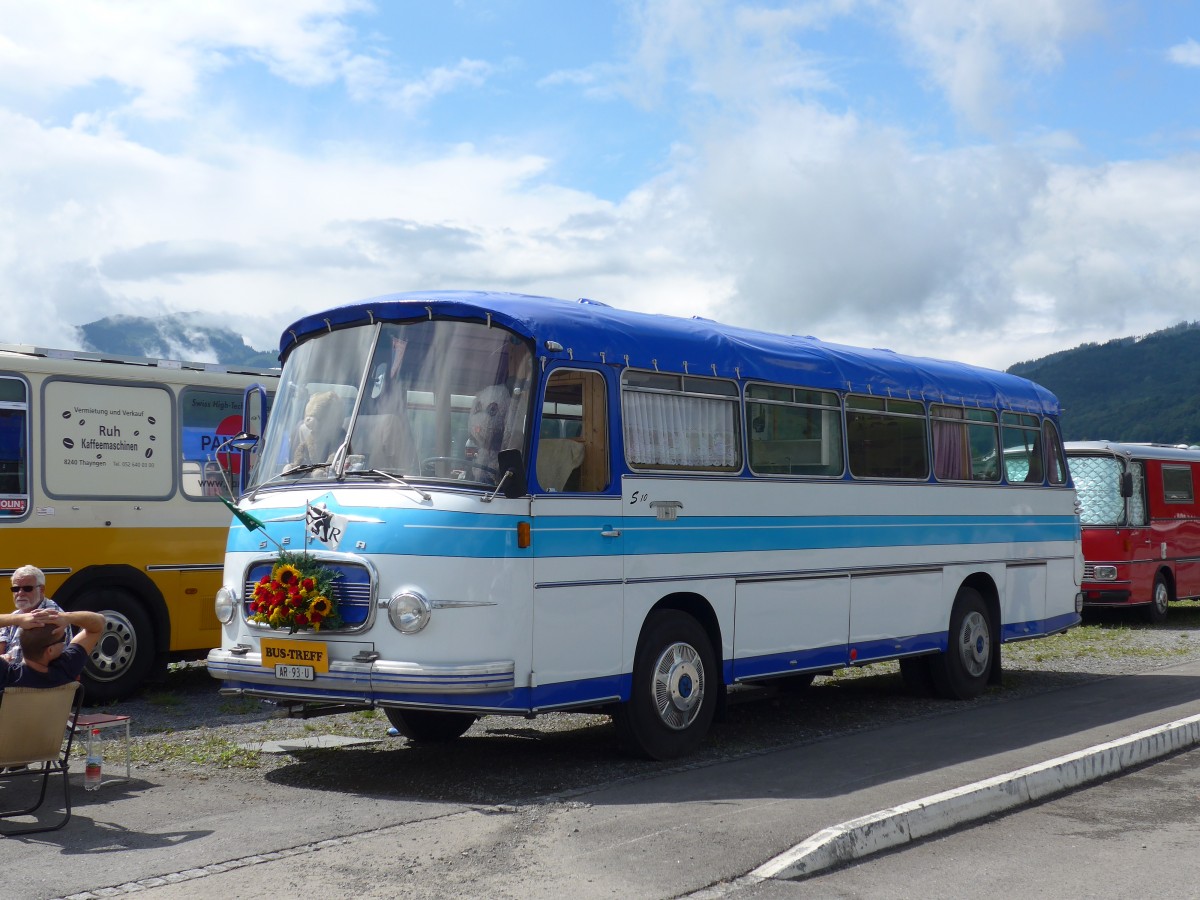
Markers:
(431, 533)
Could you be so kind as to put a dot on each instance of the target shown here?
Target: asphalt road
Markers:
(1133, 836)
(670, 832)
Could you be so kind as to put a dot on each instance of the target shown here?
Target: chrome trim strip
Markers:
(198, 567)
(380, 676)
(790, 574)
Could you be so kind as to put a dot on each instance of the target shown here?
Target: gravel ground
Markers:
(185, 728)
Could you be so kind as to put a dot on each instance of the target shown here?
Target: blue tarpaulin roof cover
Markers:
(589, 331)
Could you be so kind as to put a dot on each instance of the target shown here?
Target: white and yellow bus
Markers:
(111, 483)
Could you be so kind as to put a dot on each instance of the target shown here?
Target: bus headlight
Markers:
(408, 612)
(226, 605)
(1105, 573)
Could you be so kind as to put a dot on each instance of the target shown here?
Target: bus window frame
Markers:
(589, 419)
(880, 408)
(834, 409)
(26, 408)
(657, 384)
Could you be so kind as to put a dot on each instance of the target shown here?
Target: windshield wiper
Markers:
(286, 473)
(388, 475)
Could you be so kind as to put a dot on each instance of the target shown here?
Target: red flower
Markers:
(307, 585)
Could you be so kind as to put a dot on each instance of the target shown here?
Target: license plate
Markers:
(294, 673)
(281, 655)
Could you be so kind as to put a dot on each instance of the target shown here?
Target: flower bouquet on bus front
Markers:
(297, 595)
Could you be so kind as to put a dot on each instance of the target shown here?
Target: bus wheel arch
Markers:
(676, 682)
(136, 630)
(966, 668)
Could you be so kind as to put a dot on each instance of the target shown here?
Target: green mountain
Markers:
(1128, 389)
(178, 336)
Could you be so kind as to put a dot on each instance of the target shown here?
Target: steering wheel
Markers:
(430, 463)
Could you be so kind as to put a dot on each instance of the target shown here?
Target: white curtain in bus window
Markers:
(14, 467)
(108, 440)
(680, 431)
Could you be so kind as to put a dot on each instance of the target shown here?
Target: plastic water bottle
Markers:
(95, 761)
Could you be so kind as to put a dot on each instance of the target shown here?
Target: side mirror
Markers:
(1127, 485)
(243, 441)
(512, 473)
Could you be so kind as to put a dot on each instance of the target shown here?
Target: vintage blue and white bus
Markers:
(472, 503)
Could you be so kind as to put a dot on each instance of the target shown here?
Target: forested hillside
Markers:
(1129, 389)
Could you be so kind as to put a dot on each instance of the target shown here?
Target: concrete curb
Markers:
(912, 821)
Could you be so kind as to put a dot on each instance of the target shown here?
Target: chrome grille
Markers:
(351, 589)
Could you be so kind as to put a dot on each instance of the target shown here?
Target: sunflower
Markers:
(296, 594)
(286, 574)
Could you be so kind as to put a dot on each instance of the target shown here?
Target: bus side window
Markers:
(572, 450)
(1056, 465)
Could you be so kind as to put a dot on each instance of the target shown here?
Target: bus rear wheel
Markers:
(429, 726)
(124, 654)
(674, 692)
(961, 673)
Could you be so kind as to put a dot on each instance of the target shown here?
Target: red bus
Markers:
(1141, 523)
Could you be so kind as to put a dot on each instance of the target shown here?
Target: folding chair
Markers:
(35, 739)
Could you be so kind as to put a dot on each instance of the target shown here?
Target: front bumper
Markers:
(486, 686)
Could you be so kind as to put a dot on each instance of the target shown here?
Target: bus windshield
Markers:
(1098, 484)
(417, 400)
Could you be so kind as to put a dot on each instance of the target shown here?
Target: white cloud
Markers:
(776, 213)
(1185, 54)
(157, 53)
(980, 53)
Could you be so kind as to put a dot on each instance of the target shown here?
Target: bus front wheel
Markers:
(961, 673)
(124, 654)
(429, 726)
(674, 691)
(1160, 601)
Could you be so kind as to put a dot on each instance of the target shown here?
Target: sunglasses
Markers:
(27, 588)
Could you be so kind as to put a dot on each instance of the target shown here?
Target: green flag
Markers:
(244, 517)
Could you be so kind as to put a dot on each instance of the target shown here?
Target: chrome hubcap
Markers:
(678, 686)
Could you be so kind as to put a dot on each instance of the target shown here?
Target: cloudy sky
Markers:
(986, 180)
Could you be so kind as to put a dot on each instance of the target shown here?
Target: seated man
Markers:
(29, 593)
(48, 661)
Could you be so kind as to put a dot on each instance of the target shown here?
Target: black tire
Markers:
(1160, 601)
(125, 653)
(674, 691)
(917, 674)
(962, 672)
(430, 726)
